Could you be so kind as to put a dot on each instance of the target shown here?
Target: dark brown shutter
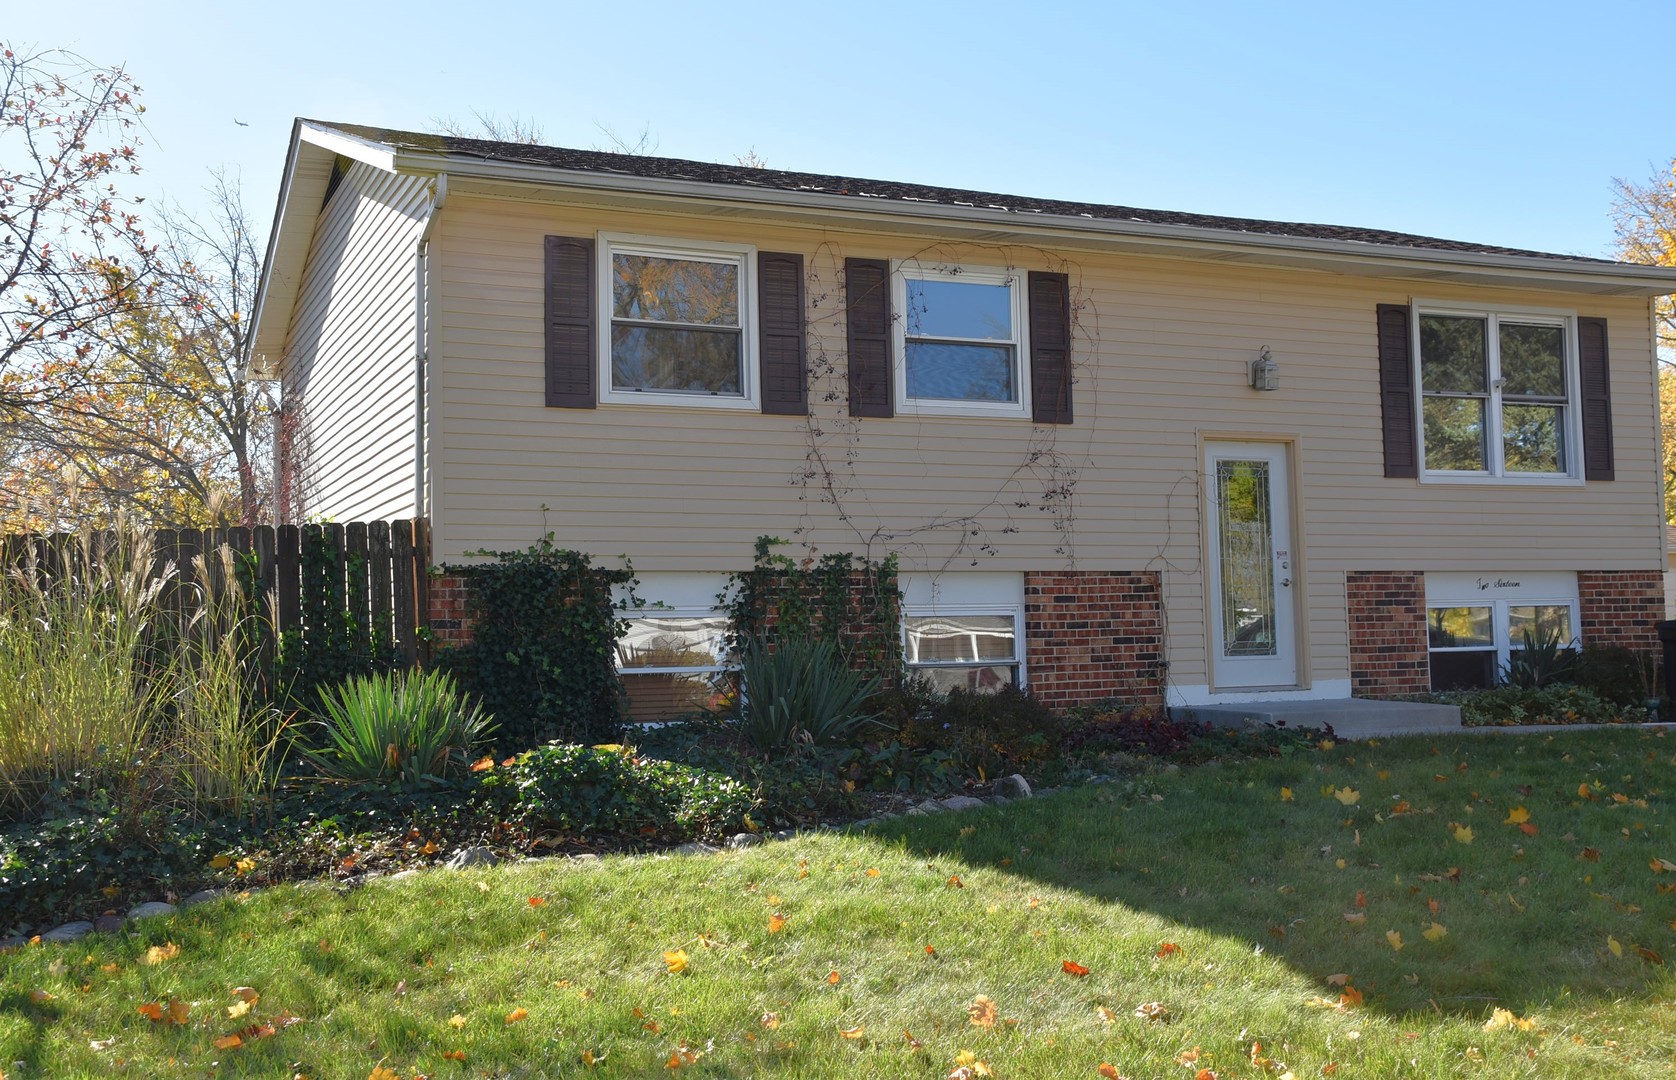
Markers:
(1396, 391)
(867, 325)
(1050, 348)
(568, 294)
(780, 319)
(1596, 387)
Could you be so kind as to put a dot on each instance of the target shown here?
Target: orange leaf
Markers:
(1071, 967)
(913, 1043)
(517, 1015)
(853, 1033)
(1528, 829)
(872, 871)
(537, 901)
(228, 1042)
(954, 882)
(1204, 1074)
(832, 978)
(675, 961)
(454, 1055)
(1109, 1072)
(1649, 955)
(770, 1020)
(1361, 899)
(982, 1012)
(776, 923)
(152, 1011)
(483, 764)
(930, 950)
(1169, 948)
(1350, 997)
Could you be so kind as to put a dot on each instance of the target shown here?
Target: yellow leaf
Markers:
(1106, 1015)
(243, 867)
(159, 953)
(237, 1009)
(518, 1015)
(228, 1042)
(1503, 1018)
(1463, 833)
(853, 1033)
(179, 1011)
(771, 1020)
(220, 862)
(1517, 816)
(1347, 796)
(776, 923)
(1435, 932)
(1612, 943)
(982, 1012)
(1395, 938)
(590, 1059)
(676, 961)
(456, 1021)
(872, 871)
(1285, 794)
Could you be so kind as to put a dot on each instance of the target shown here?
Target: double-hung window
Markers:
(973, 649)
(673, 663)
(1475, 624)
(679, 323)
(961, 340)
(1498, 394)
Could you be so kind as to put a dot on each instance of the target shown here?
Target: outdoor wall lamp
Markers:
(1265, 373)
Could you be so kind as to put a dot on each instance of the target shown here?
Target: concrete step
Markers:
(1350, 718)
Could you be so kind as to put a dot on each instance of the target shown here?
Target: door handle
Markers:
(1286, 583)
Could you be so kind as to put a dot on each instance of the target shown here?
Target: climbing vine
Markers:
(850, 601)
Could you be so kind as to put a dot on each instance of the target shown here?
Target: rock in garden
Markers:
(930, 806)
(202, 896)
(585, 857)
(108, 924)
(151, 909)
(1013, 787)
(696, 848)
(70, 931)
(743, 840)
(404, 875)
(469, 857)
(961, 802)
(785, 834)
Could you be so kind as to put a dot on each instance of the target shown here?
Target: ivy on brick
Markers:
(543, 654)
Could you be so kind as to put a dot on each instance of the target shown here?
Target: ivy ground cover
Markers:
(1489, 905)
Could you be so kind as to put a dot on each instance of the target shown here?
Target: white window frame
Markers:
(1493, 315)
(914, 270)
(741, 255)
(1012, 611)
(1546, 590)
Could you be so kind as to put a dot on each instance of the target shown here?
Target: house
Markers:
(1125, 452)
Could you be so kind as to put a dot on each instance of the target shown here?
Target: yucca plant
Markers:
(801, 692)
(398, 728)
(1547, 658)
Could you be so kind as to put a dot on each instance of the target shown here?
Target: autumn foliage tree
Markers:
(1645, 219)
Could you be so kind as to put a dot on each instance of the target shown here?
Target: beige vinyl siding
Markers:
(349, 356)
(1160, 353)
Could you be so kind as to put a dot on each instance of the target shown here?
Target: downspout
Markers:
(421, 343)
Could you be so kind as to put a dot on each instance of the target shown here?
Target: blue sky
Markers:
(1492, 122)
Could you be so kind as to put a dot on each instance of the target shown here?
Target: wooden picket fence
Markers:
(365, 581)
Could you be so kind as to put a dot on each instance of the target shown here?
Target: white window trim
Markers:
(742, 255)
(925, 611)
(919, 271)
(1492, 313)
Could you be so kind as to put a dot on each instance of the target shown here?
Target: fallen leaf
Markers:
(483, 764)
(455, 1055)
(1347, 796)
(1663, 866)
(1612, 943)
(1528, 829)
(457, 1021)
(1504, 1018)
(1329, 1069)
(247, 994)
(931, 950)
(770, 1020)
(179, 1011)
(954, 882)
(39, 996)
(379, 1072)
(856, 1032)
(1463, 833)
(590, 1059)
(982, 1012)
(913, 1043)
(1285, 794)
(1350, 998)
(1355, 918)
(237, 1009)
(1071, 967)
(832, 978)
(1361, 899)
(776, 923)
(152, 1011)
(1340, 979)
(1153, 1012)
(1435, 932)
(1109, 1071)
(1106, 1015)
(518, 1015)
(537, 901)
(1517, 816)
(676, 961)
(1649, 955)
(229, 1042)
(872, 871)
(157, 954)
(1169, 948)
(1395, 938)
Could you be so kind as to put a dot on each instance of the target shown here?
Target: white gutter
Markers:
(421, 340)
(1354, 253)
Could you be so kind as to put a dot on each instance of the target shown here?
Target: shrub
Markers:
(801, 693)
(399, 728)
(990, 734)
(1560, 704)
(585, 790)
(1619, 675)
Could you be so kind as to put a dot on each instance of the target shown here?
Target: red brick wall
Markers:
(451, 622)
(1389, 653)
(1620, 607)
(1092, 634)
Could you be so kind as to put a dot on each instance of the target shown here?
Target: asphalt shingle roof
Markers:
(870, 192)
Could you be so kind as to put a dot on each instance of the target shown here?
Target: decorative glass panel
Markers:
(939, 308)
(960, 372)
(679, 360)
(1461, 628)
(1533, 438)
(959, 638)
(650, 288)
(1541, 621)
(1532, 360)
(988, 677)
(1245, 539)
(1453, 357)
(681, 641)
(1455, 434)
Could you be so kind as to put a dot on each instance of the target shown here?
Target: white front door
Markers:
(1248, 515)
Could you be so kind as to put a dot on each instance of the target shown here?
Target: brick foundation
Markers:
(1620, 607)
(1094, 634)
(450, 616)
(1389, 651)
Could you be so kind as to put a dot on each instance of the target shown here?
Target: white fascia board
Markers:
(1337, 256)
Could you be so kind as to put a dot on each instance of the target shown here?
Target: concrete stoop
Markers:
(1351, 718)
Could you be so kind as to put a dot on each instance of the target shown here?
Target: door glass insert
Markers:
(1245, 543)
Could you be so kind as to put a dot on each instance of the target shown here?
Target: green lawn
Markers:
(889, 937)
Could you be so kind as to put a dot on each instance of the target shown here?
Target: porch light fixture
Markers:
(1265, 373)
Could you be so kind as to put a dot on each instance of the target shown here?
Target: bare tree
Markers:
(513, 129)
